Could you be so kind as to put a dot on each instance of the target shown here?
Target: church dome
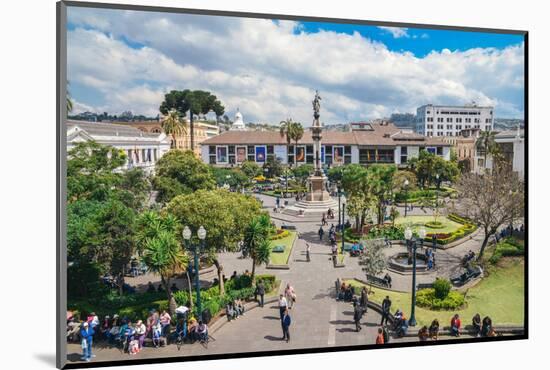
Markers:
(238, 124)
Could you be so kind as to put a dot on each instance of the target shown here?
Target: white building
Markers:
(512, 147)
(143, 149)
(446, 120)
(238, 124)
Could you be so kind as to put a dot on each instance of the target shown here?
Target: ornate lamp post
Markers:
(201, 233)
(406, 186)
(413, 245)
(339, 188)
(343, 226)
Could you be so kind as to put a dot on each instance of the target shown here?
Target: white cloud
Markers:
(396, 32)
(271, 69)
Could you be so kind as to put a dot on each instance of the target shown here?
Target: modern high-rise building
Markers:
(446, 120)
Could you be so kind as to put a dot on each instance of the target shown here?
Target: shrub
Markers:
(509, 247)
(442, 287)
(427, 298)
(434, 224)
(280, 234)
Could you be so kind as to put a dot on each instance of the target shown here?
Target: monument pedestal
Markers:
(316, 202)
(318, 191)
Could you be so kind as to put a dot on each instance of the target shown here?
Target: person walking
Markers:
(364, 298)
(285, 322)
(321, 233)
(282, 305)
(290, 295)
(260, 290)
(87, 335)
(357, 314)
(386, 306)
(380, 336)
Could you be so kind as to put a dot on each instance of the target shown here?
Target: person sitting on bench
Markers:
(202, 331)
(387, 279)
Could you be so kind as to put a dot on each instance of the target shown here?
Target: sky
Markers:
(122, 60)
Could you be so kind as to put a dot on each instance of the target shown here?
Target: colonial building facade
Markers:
(366, 143)
(143, 149)
(202, 130)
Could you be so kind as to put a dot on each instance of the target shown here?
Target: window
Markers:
(487, 120)
(439, 150)
(449, 127)
(385, 156)
(449, 119)
(221, 154)
(404, 156)
(430, 127)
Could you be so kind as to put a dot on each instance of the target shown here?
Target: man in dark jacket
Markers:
(386, 305)
(286, 325)
(357, 314)
(260, 290)
(321, 232)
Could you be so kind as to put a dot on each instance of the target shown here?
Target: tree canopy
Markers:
(179, 172)
(223, 214)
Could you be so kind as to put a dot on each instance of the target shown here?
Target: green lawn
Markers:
(287, 242)
(416, 222)
(500, 296)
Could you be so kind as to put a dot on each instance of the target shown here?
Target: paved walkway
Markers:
(318, 320)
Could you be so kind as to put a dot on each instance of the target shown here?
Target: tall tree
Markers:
(296, 134)
(373, 260)
(491, 200)
(173, 126)
(256, 244)
(196, 102)
(284, 130)
(163, 253)
(251, 169)
(223, 214)
(380, 182)
(179, 172)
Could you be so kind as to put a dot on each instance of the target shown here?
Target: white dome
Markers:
(238, 124)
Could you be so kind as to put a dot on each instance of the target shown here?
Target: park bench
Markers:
(288, 227)
(148, 342)
(278, 249)
(469, 274)
(377, 281)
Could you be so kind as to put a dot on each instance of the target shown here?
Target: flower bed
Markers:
(434, 225)
(280, 234)
(445, 238)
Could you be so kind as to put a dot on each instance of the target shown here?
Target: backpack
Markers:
(386, 335)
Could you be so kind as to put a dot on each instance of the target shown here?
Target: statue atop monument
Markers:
(316, 104)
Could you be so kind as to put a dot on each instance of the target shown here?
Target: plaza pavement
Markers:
(318, 320)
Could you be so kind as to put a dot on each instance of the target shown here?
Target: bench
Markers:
(377, 281)
(288, 227)
(469, 274)
(278, 249)
(148, 342)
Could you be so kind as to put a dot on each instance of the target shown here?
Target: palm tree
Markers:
(69, 100)
(296, 133)
(284, 130)
(486, 141)
(256, 241)
(164, 256)
(173, 126)
(162, 253)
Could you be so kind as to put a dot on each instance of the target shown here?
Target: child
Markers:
(133, 347)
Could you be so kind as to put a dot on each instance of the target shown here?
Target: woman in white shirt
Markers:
(140, 332)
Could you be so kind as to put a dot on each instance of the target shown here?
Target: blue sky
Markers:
(127, 60)
(421, 41)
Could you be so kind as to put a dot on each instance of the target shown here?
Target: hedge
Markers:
(508, 247)
(445, 238)
(426, 298)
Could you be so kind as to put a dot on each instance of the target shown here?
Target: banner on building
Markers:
(260, 154)
(241, 154)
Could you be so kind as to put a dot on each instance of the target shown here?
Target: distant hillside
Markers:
(502, 124)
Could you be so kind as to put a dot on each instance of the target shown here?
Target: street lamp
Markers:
(413, 245)
(406, 186)
(196, 250)
(339, 188)
(343, 225)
